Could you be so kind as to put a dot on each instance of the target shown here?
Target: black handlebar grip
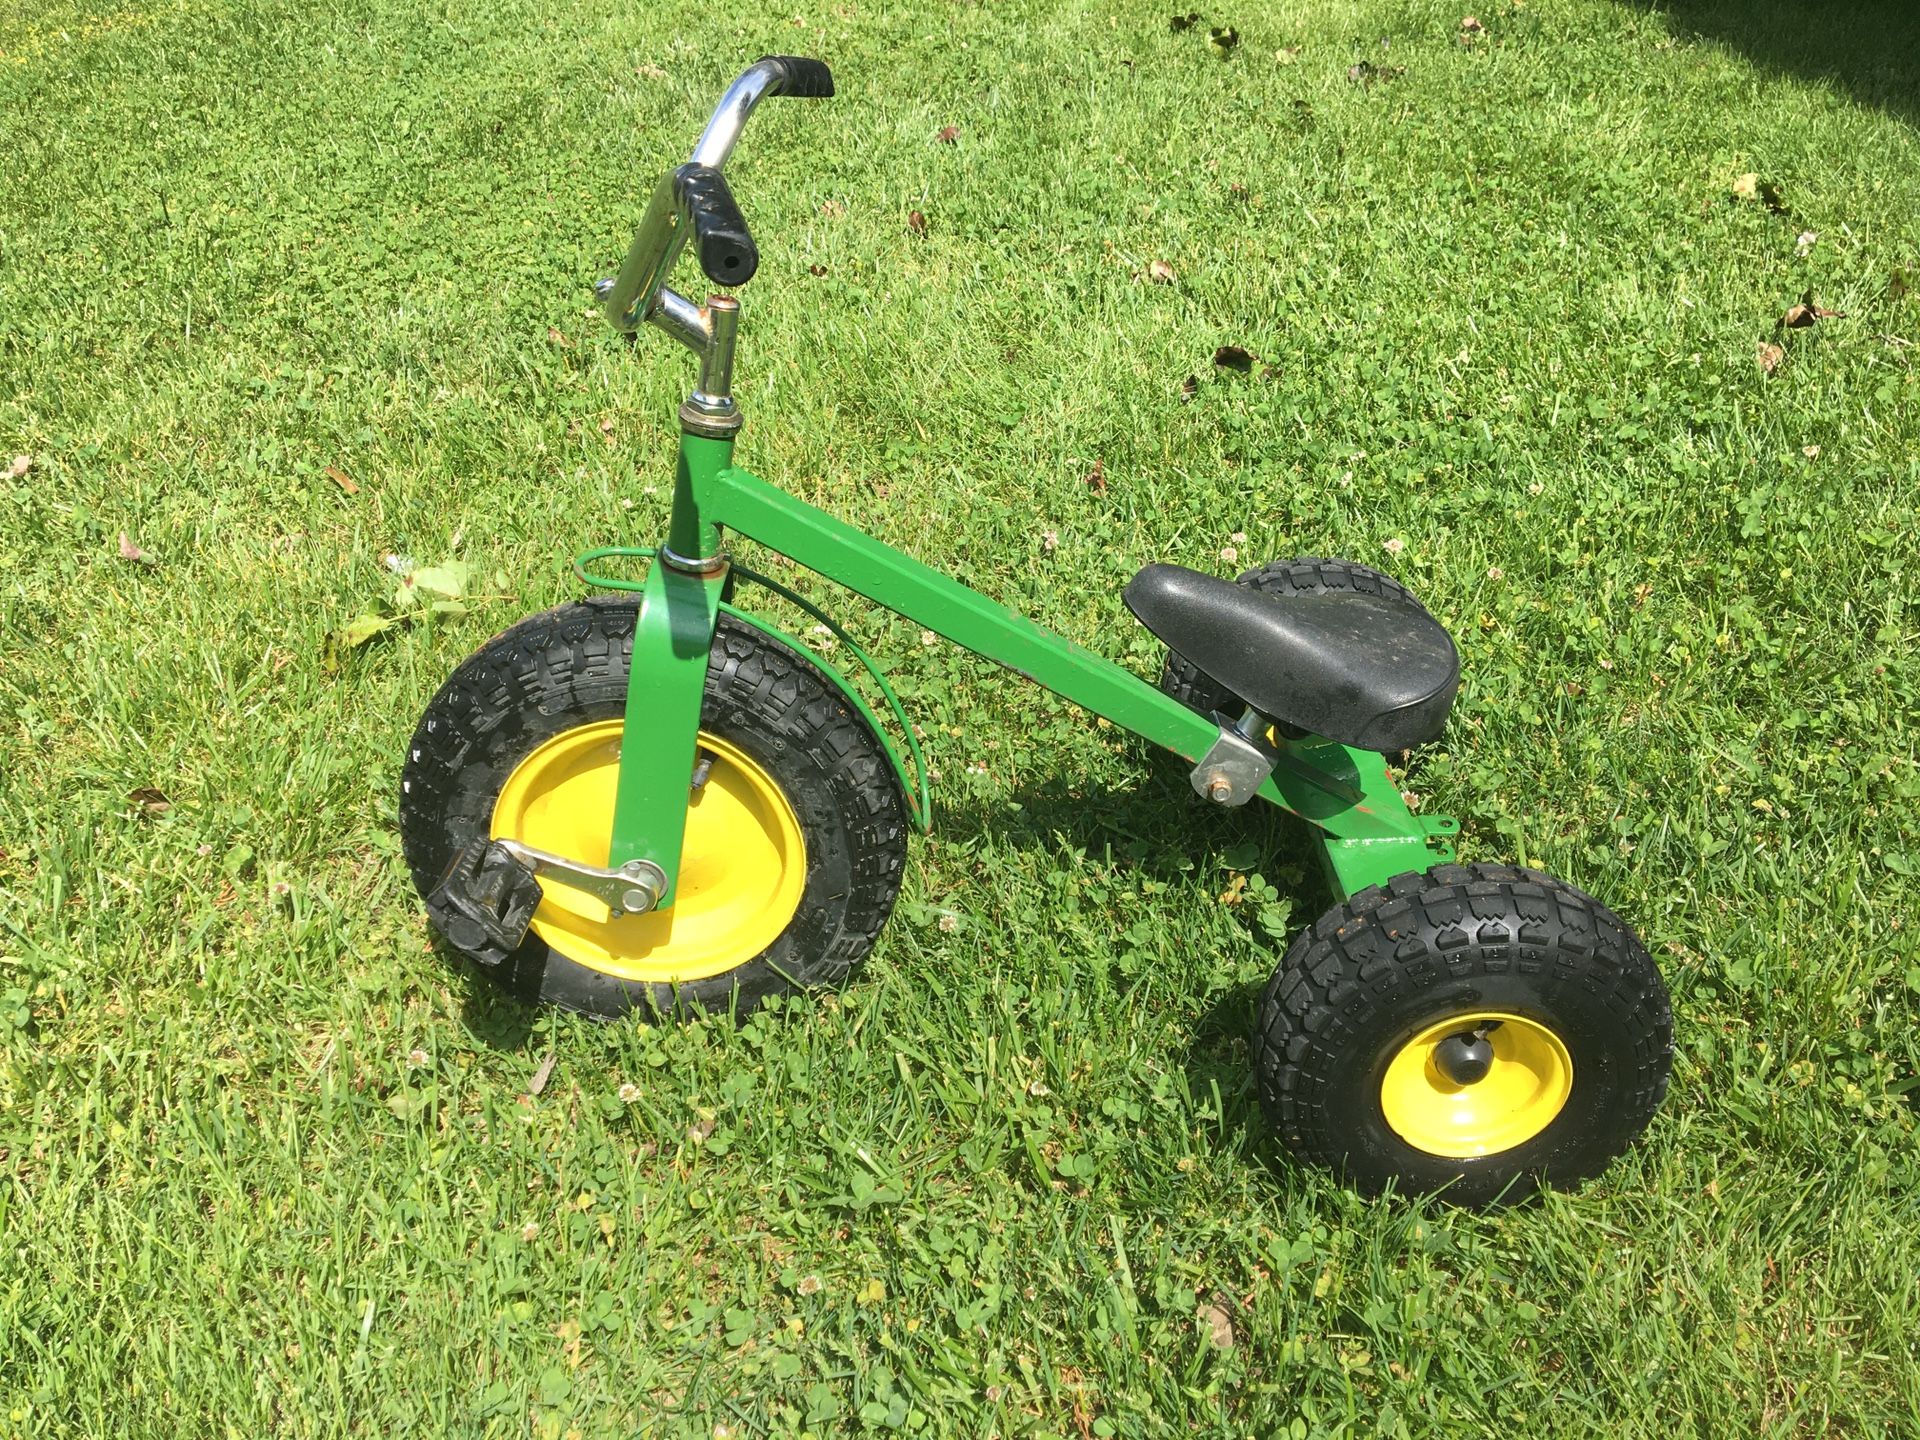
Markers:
(806, 79)
(727, 252)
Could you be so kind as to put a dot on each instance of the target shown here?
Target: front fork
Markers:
(672, 637)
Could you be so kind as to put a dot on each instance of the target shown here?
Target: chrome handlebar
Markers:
(640, 295)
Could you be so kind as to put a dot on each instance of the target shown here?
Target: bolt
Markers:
(637, 900)
(1218, 790)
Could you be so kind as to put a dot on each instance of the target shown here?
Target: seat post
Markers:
(1232, 772)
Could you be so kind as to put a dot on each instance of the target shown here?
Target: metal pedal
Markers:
(486, 902)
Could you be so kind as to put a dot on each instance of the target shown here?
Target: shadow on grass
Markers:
(1160, 828)
(1869, 49)
(495, 1014)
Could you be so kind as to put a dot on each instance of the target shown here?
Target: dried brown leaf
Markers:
(816, 270)
(21, 464)
(558, 337)
(1769, 356)
(1185, 22)
(1800, 316)
(1751, 187)
(1899, 286)
(544, 1073)
(342, 479)
(1234, 357)
(947, 135)
(1189, 387)
(1471, 26)
(916, 223)
(1219, 1323)
(1096, 478)
(832, 209)
(149, 801)
(131, 551)
(1160, 273)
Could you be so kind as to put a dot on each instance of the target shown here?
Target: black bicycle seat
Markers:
(1376, 672)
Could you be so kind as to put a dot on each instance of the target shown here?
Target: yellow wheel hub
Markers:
(743, 865)
(1524, 1088)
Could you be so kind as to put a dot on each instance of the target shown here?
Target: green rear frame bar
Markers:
(1368, 833)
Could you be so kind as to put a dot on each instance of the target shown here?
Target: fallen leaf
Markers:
(1160, 273)
(1236, 891)
(1471, 26)
(448, 580)
(833, 209)
(1769, 357)
(1899, 286)
(1812, 452)
(21, 464)
(149, 800)
(1393, 546)
(1185, 22)
(606, 430)
(1219, 1323)
(342, 479)
(1222, 39)
(362, 628)
(544, 1073)
(131, 551)
(1233, 357)
(916, 223)
(816, 270)
(1751, 187)
(1798, 317)
(700, 1129)
(1189, 387)
(947, 135)
(1096, 478)
(1366, 72)
(557, 337)
(1288, 54)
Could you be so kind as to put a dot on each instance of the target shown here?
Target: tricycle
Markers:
(654, 800)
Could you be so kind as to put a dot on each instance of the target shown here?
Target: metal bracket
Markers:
(1232, 772)
(633, 889)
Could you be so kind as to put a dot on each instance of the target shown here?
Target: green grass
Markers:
(269, 1166)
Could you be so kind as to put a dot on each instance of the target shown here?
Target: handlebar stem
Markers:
(640, 294)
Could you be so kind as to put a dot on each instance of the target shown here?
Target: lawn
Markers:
(287, 290)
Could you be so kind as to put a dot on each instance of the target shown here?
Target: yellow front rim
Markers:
(743, 866)
(1526, 1088)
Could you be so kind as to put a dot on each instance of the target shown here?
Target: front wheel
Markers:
(795, 831)
(1479, 1030)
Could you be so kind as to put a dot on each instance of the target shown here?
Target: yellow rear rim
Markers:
(1527, 1087)
(742, 869)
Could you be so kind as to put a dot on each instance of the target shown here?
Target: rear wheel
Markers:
(1480, 1030)
(795, 832)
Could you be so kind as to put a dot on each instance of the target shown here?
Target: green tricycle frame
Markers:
(1368, 832)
